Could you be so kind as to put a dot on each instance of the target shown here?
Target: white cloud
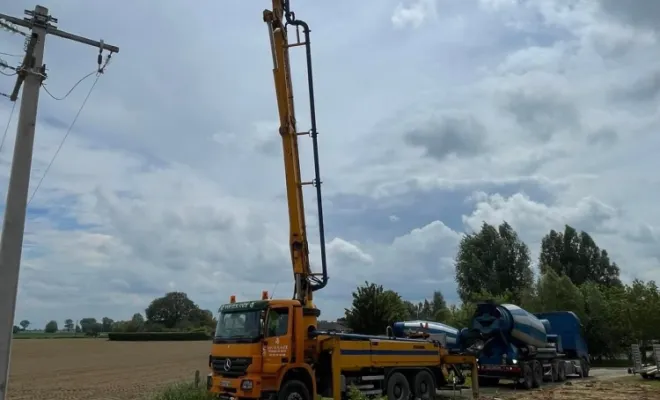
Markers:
(414, 14)
(173, 178)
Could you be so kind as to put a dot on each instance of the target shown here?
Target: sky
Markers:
(434, 116)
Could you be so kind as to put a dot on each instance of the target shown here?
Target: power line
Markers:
(11, 55)
(4, 135)
(52, 160)
(72, 88)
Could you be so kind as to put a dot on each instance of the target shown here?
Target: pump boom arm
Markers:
(277, 19)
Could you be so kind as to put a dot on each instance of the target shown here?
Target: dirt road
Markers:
(603, 384)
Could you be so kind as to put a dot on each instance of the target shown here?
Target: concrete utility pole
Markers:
(31, 73)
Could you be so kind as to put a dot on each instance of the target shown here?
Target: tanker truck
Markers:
(444, 334)
(513, 344)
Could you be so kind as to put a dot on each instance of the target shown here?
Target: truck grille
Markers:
(237, 366)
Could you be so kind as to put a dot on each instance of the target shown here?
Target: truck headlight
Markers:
(246, 384)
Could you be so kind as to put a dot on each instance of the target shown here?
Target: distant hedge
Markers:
(157, 336)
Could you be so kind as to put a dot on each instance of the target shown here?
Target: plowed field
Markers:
(96, 369)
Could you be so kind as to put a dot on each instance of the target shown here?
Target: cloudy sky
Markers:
(434, 115)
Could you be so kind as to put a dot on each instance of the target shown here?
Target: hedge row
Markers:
(157, 336)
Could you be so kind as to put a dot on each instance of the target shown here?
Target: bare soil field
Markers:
(96, 369)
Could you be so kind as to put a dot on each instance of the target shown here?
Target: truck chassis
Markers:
(532, 373)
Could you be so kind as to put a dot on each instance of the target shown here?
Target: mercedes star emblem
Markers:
(227, 365)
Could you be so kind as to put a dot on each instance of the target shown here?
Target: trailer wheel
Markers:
(294, 390)
(528, 376)
(424, 386)
(537, 370)
(561, 371)
(398, 387)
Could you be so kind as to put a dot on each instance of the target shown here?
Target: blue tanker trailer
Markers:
(514, 344)
(445, 334)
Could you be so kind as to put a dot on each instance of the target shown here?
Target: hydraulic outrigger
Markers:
(271, 348)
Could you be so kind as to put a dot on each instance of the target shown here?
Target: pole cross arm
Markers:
(52, 30)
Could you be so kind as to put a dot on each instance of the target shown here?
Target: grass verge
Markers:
(183, 391)
(39, 335)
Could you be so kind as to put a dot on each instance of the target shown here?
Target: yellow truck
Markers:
(271, 348)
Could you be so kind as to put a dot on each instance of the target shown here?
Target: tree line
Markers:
(173, 312)
(575, 274)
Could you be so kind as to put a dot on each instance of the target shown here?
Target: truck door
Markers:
(277, 339)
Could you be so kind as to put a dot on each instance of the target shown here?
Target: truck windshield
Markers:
(239, 326)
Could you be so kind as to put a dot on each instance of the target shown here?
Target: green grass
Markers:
(183, 391)
(57, 335)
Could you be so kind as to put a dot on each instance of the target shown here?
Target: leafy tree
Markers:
(24, 324)
(558, 293)
(91, 327)
(51, 327)
(16, 329)
(577, 256)
(374, 308)
(136, 323)
(171, 309)
(643, 299)
(493, 260)
(439, 306)
(202, 318)
(107, 324)
(459, 316)
(86, 324)
(78, 329)
(68, 325)
(411, 309)
(597, 329)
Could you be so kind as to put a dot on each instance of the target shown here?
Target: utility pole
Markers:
(31, 74)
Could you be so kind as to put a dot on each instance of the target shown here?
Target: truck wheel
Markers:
(294, 390)
(554, 374)
(561, 371)
(528, 376)
(584, 367)
(537, 369)
(424, 386)
(397, 387)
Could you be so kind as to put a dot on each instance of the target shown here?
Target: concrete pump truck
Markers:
(271, 348)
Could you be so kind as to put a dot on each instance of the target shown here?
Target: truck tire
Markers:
(527, 376)
(584, 368)
(294, 390)
(554, 372)
(561, 371)
(537, 370)
(398, 387)
(424, 386)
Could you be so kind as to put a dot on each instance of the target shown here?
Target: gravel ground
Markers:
(600, 385)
